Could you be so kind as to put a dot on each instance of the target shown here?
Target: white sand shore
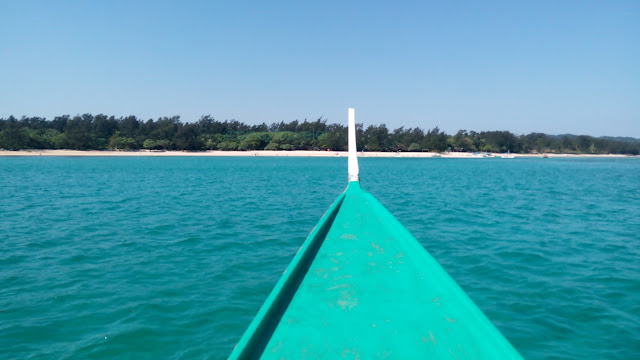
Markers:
(298, 153)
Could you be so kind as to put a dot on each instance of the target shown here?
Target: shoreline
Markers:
(284, 153)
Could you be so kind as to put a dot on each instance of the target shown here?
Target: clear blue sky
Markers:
(549, 66)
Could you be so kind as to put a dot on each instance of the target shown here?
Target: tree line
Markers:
(102, 132)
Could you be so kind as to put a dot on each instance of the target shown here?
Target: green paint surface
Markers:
(362, 287)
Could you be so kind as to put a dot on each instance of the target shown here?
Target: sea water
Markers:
(149, 258)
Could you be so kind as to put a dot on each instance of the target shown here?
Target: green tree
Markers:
(164, 144)
(462, 141)
(272, 146)
(435, 140)
(249, 143)
(228, 145)
(149, 144)
(377, 138)
(186, 138)
(335, 139)
(116, 142)
(14, 138)
(79, 132)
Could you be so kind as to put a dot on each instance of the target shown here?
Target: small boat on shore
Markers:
(507, 155)
(362, 287)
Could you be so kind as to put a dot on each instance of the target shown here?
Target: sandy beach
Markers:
(298, 153)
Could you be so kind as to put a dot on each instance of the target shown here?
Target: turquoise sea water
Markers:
(136, 258)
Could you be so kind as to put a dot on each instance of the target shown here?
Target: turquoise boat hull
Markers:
(362, 287)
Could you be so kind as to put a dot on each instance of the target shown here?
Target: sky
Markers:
(539, 66)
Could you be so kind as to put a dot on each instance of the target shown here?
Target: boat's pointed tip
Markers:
(354, 186)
